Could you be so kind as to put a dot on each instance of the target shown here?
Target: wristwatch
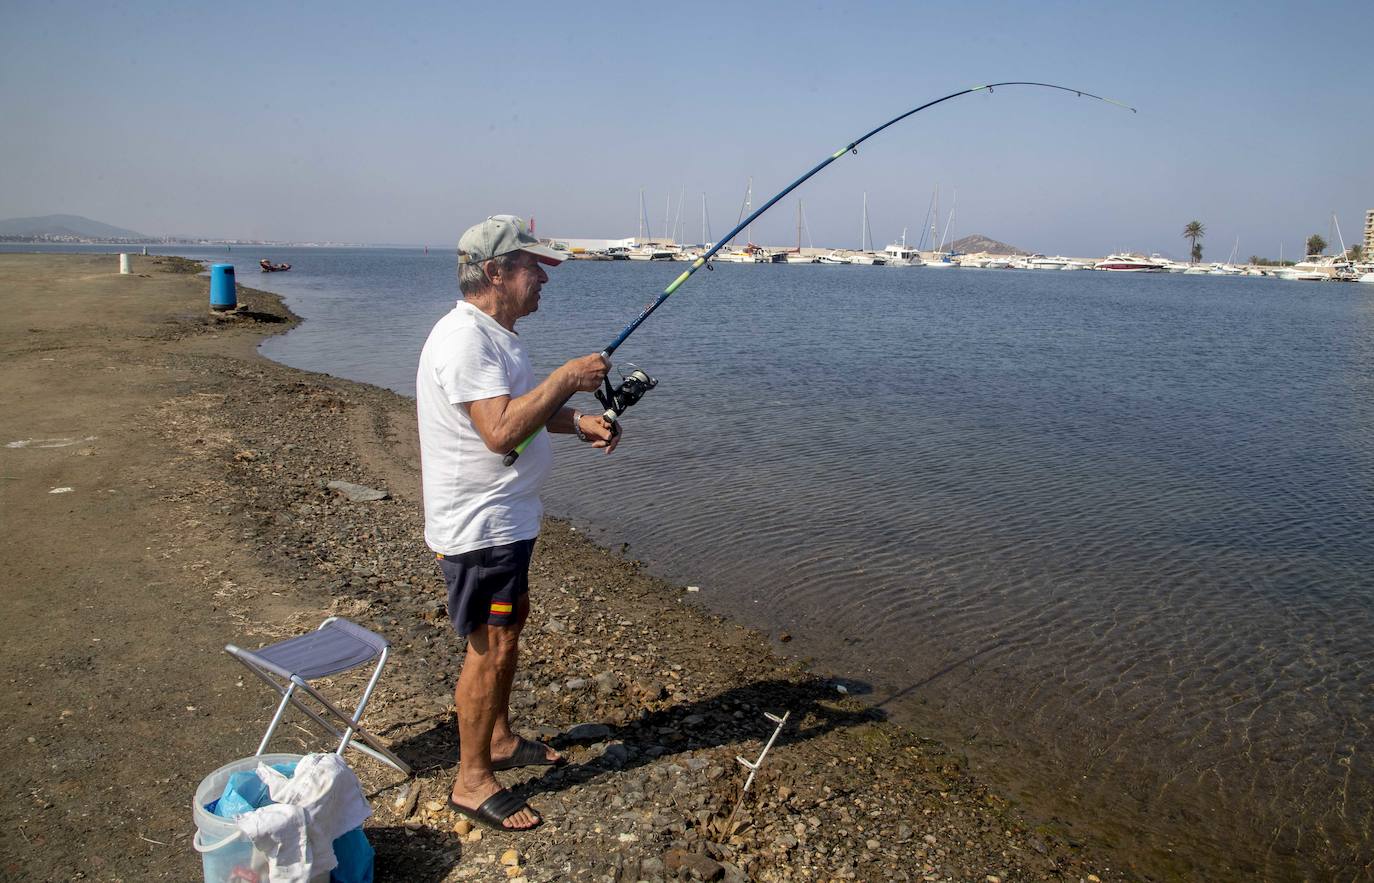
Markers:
(577, 426)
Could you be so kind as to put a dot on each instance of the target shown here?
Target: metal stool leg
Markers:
(276, 718)
(362, 703)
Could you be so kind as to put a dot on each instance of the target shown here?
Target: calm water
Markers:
(1107, 533)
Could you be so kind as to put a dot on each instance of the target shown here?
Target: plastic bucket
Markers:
(226, 855)
(223, 295)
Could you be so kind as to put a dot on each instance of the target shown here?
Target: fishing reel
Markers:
(618, 400)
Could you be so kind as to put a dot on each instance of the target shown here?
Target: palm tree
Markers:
(1193, 232)
(1315, 244)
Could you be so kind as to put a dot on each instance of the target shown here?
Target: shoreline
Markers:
(681, 691)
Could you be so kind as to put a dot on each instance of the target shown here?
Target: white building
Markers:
(580, 245)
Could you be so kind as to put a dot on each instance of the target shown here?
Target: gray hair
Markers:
(472, 278)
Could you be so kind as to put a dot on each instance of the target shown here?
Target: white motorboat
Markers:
(1040, 262)
(996, 263)
(835, 257)
(940, 261)
(650, 253)
(1367, 278)
(867, 259)
(1128, 263)
(799, 258)
(898, 254)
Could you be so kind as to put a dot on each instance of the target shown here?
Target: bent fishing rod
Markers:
(617, 400)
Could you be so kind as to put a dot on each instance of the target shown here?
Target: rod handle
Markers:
(512, 456)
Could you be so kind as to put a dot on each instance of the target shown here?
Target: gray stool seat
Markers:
(335, 647)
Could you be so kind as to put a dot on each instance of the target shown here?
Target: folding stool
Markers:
(335, 647)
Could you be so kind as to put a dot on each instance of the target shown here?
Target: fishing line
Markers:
(613, 399)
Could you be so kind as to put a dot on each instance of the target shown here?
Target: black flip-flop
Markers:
(527, 753)
(496, 809)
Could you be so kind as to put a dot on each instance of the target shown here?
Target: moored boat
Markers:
(899, 254)
(1128, 263)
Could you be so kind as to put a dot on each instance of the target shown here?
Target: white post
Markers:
(124, 269)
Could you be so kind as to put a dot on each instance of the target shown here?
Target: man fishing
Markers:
(476, 398)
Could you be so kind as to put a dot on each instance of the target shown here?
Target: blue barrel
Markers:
(222, 293)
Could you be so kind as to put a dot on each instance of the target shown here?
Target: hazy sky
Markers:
(404, 123)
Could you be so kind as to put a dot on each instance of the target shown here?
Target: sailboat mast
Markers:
(935, 220)
(1338, 233)
(863, 227)
(680, 226)
(748, 205)
(949, 220)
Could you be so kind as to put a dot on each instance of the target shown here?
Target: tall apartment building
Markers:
(1369, 233)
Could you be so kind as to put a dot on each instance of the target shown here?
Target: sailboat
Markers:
(645, 248)
(941, 259)
(1229, 268)
(750, 253)
(865, 255)
(1323, 268)
(795, 256)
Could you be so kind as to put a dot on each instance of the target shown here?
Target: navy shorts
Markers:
(484, 585)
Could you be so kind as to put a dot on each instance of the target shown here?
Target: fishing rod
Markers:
(616, 400)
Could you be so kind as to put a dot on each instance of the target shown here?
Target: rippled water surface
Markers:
(1110, 533)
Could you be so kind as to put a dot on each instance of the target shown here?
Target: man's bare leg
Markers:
(504, 740)
(492, 654)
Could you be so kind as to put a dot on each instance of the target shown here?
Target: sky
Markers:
(405, 123)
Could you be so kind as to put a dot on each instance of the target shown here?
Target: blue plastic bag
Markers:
(355, 857)
(245, 792)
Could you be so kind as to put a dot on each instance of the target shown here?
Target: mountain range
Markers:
(65, 227)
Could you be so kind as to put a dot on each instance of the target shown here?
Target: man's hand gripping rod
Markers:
(615, 400)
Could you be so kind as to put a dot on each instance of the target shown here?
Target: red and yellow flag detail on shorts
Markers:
(500, 608)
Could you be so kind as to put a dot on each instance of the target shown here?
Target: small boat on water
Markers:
(899, 254)
(269, 267)
(1128, 263)
(650, 252)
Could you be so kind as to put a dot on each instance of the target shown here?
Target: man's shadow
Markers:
(732, 716)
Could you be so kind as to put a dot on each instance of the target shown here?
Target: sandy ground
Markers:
(196, 515)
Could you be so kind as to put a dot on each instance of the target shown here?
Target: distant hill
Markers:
(975, 243)
(64, 227)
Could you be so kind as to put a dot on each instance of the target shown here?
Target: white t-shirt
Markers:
(472, 501)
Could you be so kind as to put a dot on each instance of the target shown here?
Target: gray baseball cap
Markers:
(503, 234)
